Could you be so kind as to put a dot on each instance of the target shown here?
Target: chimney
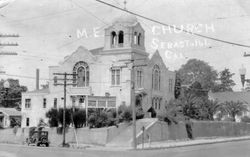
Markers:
(37, 79)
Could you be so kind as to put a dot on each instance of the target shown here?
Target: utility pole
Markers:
(131, 65)
(132, 102)
(65, 84)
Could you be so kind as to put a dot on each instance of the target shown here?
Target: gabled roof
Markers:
(10, 111)
(156, 55)
(81, 51)
(231, 96)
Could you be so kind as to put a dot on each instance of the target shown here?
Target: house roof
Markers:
(10, 111)
(46, 90)
(231, 96)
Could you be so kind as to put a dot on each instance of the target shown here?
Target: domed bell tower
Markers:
(124, 33)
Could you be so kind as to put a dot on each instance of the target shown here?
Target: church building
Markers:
(101, 78)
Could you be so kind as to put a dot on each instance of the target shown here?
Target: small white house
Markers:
(7, 115)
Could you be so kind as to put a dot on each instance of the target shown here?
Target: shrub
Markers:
(79, 118)
(102, 118)
(68, 117)
(56, 117)
(125, 113)
(52, 114)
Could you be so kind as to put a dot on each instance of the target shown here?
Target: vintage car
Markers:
(38, 137)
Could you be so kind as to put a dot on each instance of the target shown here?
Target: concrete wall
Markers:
(84, 135)
(209, 129)
(158, 131)
(161, 131)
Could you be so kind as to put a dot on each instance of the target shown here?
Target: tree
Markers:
(226, 81)
(233, 109)
(177, 87)
(197, 70)
(11, 97)
(212, 107)
(195, 103)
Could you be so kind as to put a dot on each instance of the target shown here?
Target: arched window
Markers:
(121, 38)
(113, 39)
(81, 74)
(156, 75)
(139, 39)
(135, 38)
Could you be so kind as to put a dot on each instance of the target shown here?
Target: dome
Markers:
(126, 18)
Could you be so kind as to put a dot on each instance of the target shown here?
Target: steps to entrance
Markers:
(124, 139)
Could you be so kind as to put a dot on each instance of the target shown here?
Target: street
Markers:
(230, 149)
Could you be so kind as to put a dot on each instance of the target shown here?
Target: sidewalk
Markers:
(147, 146)
(198, 141)
(165, 144)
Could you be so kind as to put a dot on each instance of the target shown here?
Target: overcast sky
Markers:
(49, 31)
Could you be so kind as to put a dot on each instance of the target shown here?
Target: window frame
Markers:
(139, 78)
(55, 103)
(113, 39)
(44, 103)
(27, 104)
(115, 76)
(86, 69)
(120, 38)
(156, 78)
(27, 121)
(170, 88)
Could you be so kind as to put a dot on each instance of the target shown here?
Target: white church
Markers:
(102, 76)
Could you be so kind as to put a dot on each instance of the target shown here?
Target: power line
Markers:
(174, 27)
(39, 17)
(85, 10)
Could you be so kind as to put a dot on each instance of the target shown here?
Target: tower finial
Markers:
(125, 3)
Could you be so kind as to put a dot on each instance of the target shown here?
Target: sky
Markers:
(52, 29)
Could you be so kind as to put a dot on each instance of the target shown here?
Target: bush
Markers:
(52, 114)
(245, 119)
(56, 117)
(68, 118)
(125, 113)
(79, 118)
(102, 118)
(97, 117)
